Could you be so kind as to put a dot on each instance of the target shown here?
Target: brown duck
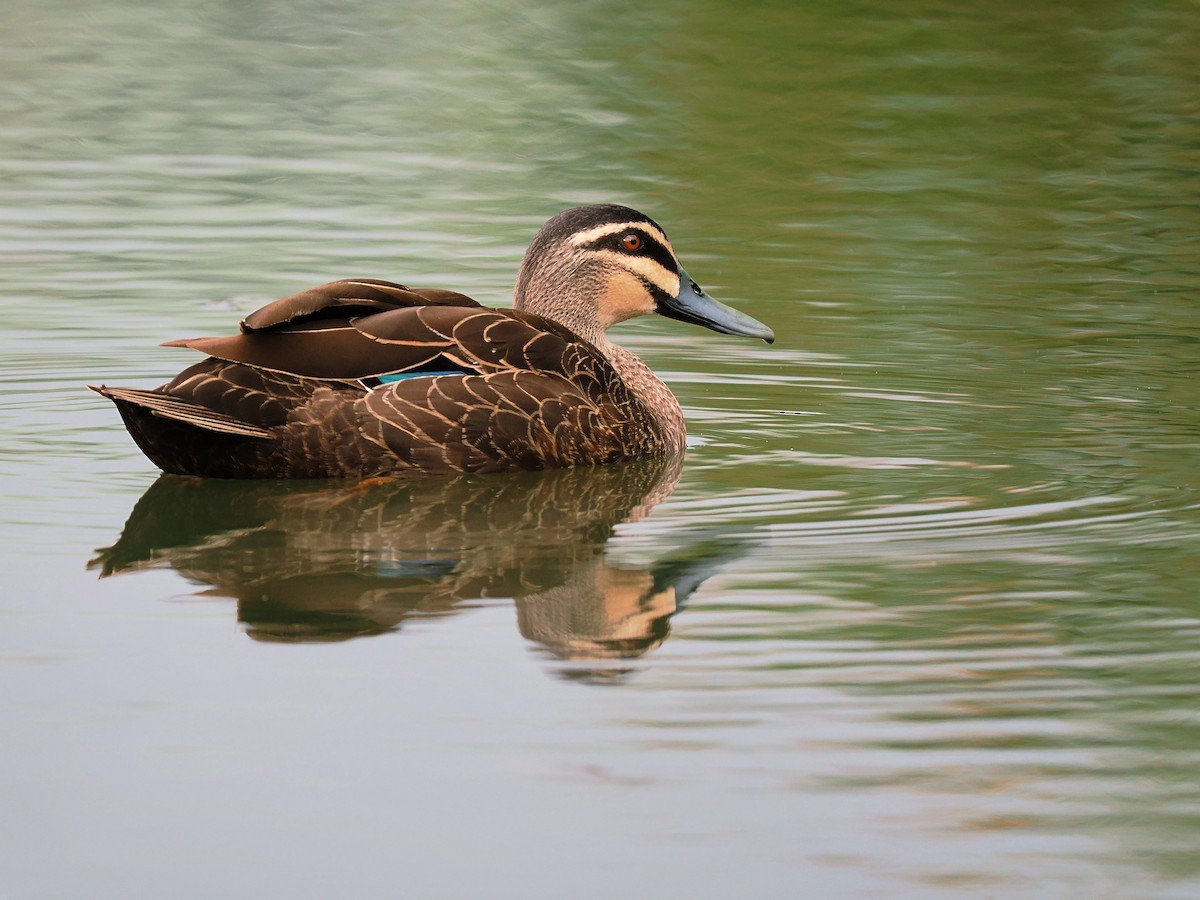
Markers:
(363, 378)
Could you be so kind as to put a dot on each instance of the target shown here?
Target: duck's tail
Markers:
(185, 438)
(168, 407)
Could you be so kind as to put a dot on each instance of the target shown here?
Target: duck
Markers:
(363, 378)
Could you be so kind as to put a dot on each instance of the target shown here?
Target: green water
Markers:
(921, 617)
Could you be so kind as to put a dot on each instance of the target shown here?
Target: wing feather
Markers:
(346, 298)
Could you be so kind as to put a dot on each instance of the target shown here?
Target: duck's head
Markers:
(593, 266)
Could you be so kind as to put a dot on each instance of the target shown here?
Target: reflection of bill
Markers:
(318, 562)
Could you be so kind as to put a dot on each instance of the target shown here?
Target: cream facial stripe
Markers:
(648, 270)
(583, 238)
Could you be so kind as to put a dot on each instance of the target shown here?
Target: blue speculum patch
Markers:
(405, 376)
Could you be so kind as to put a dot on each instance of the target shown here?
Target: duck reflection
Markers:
(322, 563)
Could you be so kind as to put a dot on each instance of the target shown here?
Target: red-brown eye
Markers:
(632, 243)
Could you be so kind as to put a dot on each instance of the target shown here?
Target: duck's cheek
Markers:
(624, 297)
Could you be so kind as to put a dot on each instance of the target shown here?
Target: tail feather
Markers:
(182, 411)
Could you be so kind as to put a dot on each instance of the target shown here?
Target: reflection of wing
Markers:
(319, 564)
(367, 377)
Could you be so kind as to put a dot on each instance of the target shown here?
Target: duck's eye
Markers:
(632, 243)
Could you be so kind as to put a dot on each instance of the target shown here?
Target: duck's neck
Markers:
(650, 390)
(572, 303)
(561, 291)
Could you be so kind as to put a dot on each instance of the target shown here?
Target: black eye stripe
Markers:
(651, 248)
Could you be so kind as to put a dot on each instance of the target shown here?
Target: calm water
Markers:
(920, 615)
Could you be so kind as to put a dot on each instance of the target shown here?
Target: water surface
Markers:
(917, 617)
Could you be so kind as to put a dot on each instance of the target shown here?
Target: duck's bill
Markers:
(691, 304)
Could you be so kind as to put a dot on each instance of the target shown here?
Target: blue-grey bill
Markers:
(691, 304)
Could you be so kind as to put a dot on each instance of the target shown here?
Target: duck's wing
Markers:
(315, 333)
(345, 299)
(341, 337)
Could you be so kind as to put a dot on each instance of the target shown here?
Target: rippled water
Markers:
(918, 617)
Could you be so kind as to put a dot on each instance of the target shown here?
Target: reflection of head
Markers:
(600, 613)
